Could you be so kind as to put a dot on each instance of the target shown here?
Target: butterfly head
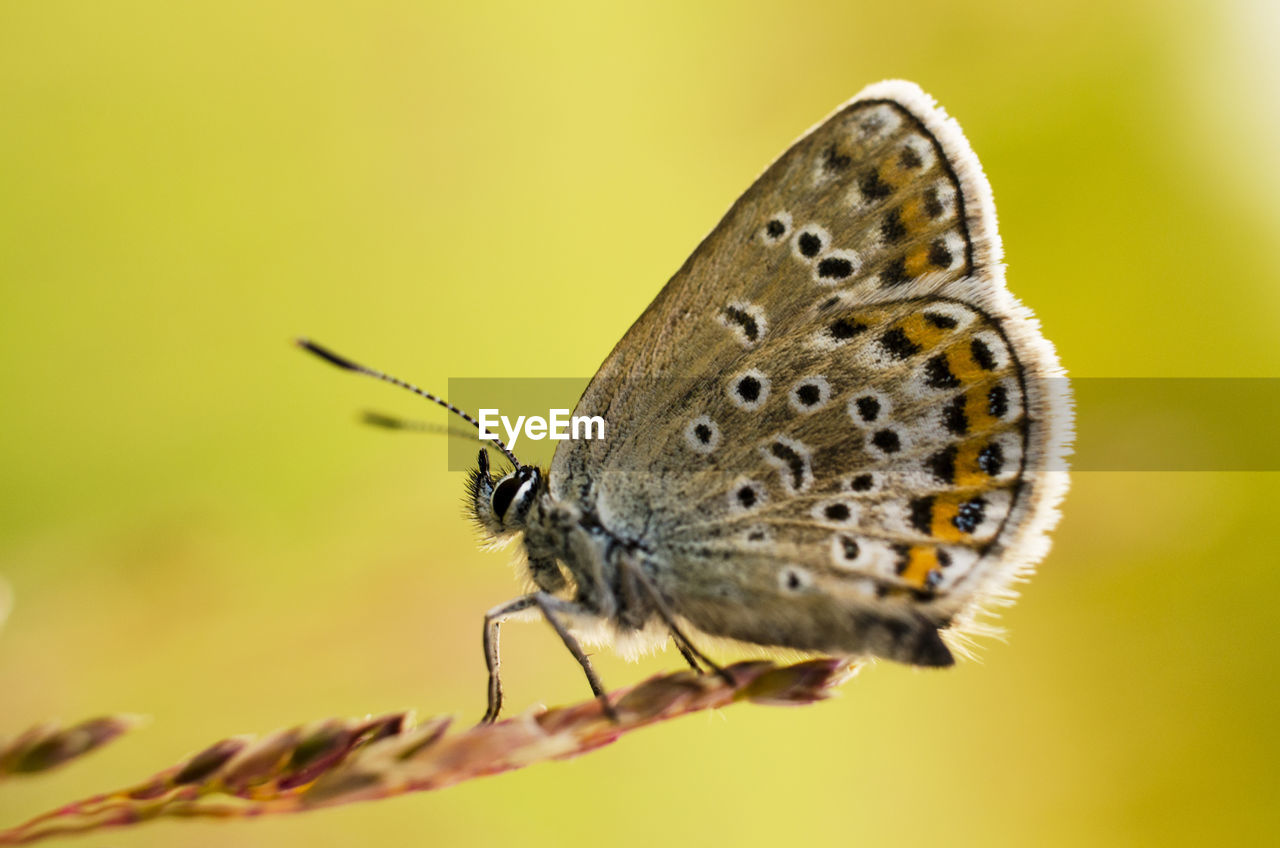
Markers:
(502, 506)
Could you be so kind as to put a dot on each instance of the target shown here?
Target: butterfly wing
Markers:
(835, 428)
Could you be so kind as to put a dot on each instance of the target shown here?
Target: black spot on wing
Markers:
(868, 408)
(942, 322)
(835, 268)
(998, 401)
(843, 329)
(954, 417)
(748, 388)
(938, 375)
(932, 205)
(943, 464)
(834, 161)
(795, 462)
(991, 459)
(898, 345)
(837, 512)
(982, 355)
(970, 515)
(891, 228)
(745, 320)
(810, 244)
(939, 254)
(808, 394)
(922, 514)
(887, 441)
(903, 553)
(872, 187)
(895, 273)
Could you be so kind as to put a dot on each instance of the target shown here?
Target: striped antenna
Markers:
(347, 365)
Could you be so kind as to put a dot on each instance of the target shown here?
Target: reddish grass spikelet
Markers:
(341, 761)
(49, 745)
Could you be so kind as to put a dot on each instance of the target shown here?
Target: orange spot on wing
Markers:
(913, 215)
(945, 510)
(978, 409)
(918, 261)
(968, 472)
(921, 560)
(921, 331)
(963, 364)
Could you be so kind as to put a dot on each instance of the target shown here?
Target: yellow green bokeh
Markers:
(195, 527)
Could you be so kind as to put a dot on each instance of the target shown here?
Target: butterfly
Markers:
(834, 430)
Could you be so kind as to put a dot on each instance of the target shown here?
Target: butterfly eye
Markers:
(503, 495)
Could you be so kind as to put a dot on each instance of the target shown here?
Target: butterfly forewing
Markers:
(834, 413)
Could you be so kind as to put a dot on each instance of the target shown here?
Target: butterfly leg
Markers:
(691, 654)
(492, 623)
(688, 655)
(551, 608)
(687, 650)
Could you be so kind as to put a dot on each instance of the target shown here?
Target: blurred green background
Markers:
(195, 527)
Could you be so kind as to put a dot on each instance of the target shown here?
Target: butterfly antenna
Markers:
(347, 365)
(392, 422)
